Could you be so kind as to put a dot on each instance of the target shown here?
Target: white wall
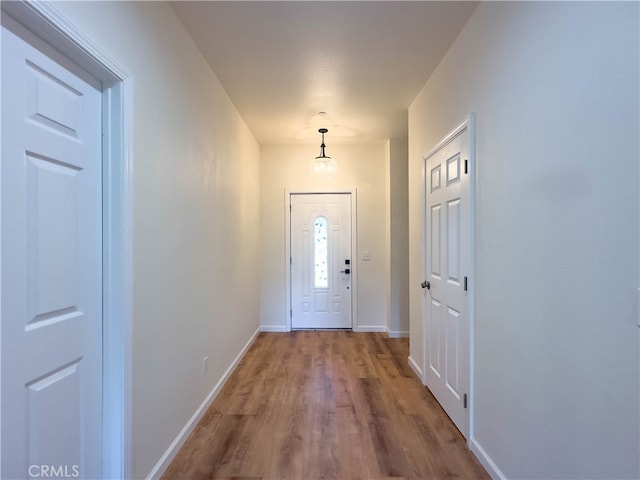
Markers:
(397, 208)
(555, 89)
(287, 168)
(196, 218)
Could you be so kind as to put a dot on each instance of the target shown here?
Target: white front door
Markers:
(51, 273)
(447, 254)
(321, 266)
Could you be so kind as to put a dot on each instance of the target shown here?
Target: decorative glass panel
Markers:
(321, 255)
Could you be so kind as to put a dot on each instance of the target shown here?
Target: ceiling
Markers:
(361, 62)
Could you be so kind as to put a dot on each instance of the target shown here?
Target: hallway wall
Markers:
(555, 89)
(397, 212)
(287, 168)
(195, 177)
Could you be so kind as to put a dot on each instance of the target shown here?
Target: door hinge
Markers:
(465, 400)
(290, 313)
(290, 260)
(466, 286)
(466, 166)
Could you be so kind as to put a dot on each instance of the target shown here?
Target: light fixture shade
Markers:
(323, 163)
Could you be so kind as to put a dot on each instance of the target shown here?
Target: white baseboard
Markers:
(273, 328)
(174, 448)
(359, 328)
(370, 328)
(415, 367)
(489, 465)
(397, 333)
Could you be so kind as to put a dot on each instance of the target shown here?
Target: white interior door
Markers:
(447, 254)
(321, 266)
(51, 273)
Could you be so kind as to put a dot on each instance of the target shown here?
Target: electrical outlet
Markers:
(365, 256)
(205, 362)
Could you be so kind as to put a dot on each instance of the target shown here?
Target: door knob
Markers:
(426, 285)
(346, 271)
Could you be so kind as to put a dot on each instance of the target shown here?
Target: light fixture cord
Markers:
(322, 146)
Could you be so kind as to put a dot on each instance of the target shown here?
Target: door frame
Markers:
(287, 242)
(469, 126)
(117, 102)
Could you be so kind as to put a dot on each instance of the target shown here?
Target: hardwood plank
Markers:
(325, 404)
(390, 457)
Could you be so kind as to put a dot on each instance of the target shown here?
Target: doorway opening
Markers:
(58, 35)
(448, 274)
(321, 282)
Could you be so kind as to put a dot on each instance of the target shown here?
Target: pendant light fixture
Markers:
(322, 163)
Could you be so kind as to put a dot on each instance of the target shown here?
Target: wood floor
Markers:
(317, 405)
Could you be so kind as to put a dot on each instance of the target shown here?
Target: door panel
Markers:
(434, 337)
(51, 274)
(453, 241)
(447, 255)
(61, 389)
(320, 248)
(452, 349)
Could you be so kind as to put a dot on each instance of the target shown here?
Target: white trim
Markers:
(397, 333)
(415, 367)
(473, 183)
(287, 261)
(371, 328)
(423, 237)
(64, 36)
(274, 328)
(178, 442)
(469, 126)
(354, 243)
(118, 283)
(487, 462)
(638, 304)
(354, 256)
(42, 17)
(456, 132)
